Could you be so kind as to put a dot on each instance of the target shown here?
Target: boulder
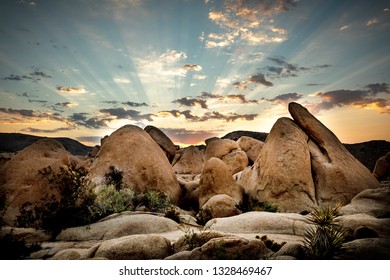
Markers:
(216, 178)
(282, 173)
(261, 223)
(382, 167)
(190, 162)
(119, 225)
(236, 161)
(353, 222)
(21, 181)
(219, 206)
(161, 139)
(135, 247)
(251, 147)
(219, 148)
(338, 176)
(368, 249)
(230, 248)
(374, 202)
(144, 164)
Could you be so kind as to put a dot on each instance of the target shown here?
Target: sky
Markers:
(193, 68)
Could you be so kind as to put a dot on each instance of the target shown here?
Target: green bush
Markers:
(325, 240)
(110, 200)
(156, 201)
(252, 204)
(72, 209)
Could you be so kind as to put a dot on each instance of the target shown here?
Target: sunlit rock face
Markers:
(144, 164)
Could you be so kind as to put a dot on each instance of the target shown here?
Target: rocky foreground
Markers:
(300, 167)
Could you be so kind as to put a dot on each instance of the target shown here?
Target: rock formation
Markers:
(216, 179)
(337, 175)
(20, 177)
(190, 162)
(144, 164)
(282, 172)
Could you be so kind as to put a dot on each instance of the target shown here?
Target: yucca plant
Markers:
(325, 240)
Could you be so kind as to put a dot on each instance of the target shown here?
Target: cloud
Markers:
(378, 88)
(255, 79)
(37, 130)
(372, 21)
(260, 79)
(247, 21)
(121, 80)
(284, 99)
(283, 69)
(121, 113)
(37, 101)
(134, 104)
(344, 27)
(193, 67)
(240, 97)
(19, 112)
(34, 76)
(189, 102)
(199, 77)
(66, 104)
(71, 90)
(186, 136)
(214, 115)
(82, 119)
(357, 98)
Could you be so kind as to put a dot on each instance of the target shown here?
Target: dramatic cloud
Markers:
(65, 104)
(34, 76)
(214, 115)
(82, 119)
(260, 79)
(37, 101)
(19, 112)
(71, 90)
(358, 98)
(284, 99)
(37, 130)
(247, 21)
(189, 102)
(192, 67)
(186, 136)
(283, 69)
(121, 113)
(256, 79)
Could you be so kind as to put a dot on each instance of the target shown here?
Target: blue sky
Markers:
(194, 68)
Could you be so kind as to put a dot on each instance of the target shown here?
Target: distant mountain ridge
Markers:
(14, 142)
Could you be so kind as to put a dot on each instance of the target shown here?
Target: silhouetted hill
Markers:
(235, 135)
(13, 142)
(366, 152)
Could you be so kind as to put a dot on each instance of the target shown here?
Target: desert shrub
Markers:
(173, 214)
(156, 201)
(204, 215)
(252, 204)
(325, 239)
(71, 209)
(110, 200)
(196, 238)
(114, 177)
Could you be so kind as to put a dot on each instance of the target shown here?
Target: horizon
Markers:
(194, 69)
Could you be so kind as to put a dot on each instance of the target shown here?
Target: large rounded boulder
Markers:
(133, 151)
(282, 172)
(22, 180)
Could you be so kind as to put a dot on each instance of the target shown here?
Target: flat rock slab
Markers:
(118, 226)
(262, 222)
